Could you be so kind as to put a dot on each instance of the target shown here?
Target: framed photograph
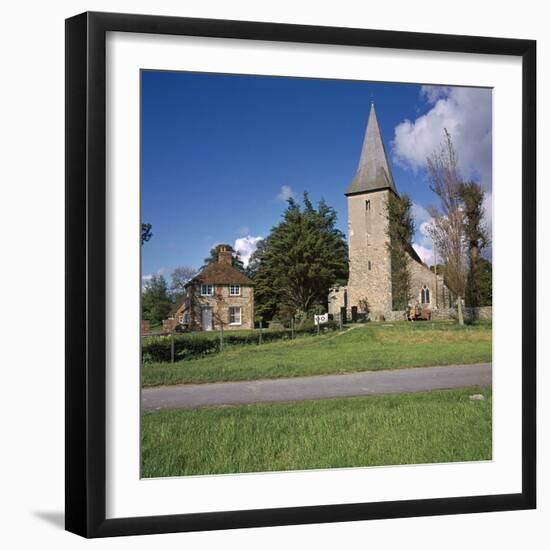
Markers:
(300, 274)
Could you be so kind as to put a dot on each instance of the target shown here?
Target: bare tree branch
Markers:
(447, 228)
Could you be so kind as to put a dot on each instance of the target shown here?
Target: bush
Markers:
(158, 348)
(186, 346)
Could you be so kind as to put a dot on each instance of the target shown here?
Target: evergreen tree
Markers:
(304, 255)
(212, 257)
(476, 238)
(261, 272)
(400, 233)
(256, 259)
(155, 300)
(485, 282)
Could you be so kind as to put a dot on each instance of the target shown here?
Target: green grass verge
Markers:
(365, 347)
(437, 426)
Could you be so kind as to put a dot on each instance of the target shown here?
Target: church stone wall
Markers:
(369, 257)
(484, 313)
(421, 276)
(337, 298)
(370, 274)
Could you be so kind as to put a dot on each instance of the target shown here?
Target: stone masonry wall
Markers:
(367, 238)
(421, 275)
(220, 304)
(447, 313)
(336, 299)
(484, 313)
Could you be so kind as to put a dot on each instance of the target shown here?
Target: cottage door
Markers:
(207, 318)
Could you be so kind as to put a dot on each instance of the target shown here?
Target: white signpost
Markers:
(321, 319)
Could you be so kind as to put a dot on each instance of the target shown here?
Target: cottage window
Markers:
(234, 315)
(234, 290)
(207, 290)
(184, 318)
(425, 295)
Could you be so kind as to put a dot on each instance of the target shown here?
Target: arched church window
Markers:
(369, 265)
(425, 295)
(367, 205)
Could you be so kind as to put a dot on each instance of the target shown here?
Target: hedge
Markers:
(158, 348)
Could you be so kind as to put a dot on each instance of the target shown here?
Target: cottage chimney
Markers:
(225, 256)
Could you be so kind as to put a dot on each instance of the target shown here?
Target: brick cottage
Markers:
(218, 295)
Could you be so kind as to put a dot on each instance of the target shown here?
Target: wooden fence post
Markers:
(260, 332)
(221, 336)
(292, 328)
(172, 348)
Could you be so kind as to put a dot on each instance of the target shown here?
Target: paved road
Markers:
(316, 387)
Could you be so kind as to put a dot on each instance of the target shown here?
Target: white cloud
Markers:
(426, 254)
(420, 214)
(422, 240)
(246, 246)
(467, 115)
(285, 193)
(433, 93)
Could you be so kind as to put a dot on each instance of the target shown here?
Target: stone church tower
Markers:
(369, 257)
(368, 193)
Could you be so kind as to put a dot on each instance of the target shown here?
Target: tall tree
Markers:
(180, 277)
(484, 282)
(261, 272)
(477, 239)
(236, 260)
(400, 233)
(155, 301)
(256, 259)
(304, 255)
(447, 228)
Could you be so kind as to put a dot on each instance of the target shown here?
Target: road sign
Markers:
(321, 319)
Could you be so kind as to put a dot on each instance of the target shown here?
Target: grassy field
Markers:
(372, 346)
(438, 426)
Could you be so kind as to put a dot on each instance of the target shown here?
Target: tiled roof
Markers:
(219, 273)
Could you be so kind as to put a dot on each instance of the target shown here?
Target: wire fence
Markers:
(176, 346)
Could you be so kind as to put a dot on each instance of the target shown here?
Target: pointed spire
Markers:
(374, 170)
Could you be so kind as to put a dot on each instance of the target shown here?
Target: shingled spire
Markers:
(374, 170)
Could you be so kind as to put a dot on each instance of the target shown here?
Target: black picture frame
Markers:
(86, 263)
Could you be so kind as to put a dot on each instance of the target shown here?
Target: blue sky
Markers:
(221, 152)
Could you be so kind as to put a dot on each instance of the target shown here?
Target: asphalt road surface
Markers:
(316, 387)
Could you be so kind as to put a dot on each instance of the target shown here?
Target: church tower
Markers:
(369, 257)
